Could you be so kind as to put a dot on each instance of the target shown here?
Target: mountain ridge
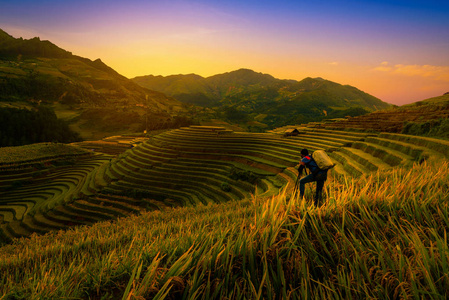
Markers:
(10, 46)
(252, 95)
(35, 72)
(39, 71)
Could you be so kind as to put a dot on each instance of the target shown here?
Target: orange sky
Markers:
(397, 51)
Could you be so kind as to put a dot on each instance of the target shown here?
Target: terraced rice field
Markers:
(189, 166)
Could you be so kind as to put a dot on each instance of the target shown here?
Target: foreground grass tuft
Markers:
(381, 236)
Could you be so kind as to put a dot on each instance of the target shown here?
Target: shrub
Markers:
(65, 162)
(40, 166)
(442, 130)
(138, 194)
(237, 174)
(432, 128)
(225, 187)
(19, 183)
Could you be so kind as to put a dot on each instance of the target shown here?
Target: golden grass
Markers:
(382, 236)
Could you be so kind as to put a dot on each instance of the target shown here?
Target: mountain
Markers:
(214, 88)
(264, 101)
(91, 95)
(11, 47)
(97, 101)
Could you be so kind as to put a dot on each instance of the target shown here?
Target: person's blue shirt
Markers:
(310, 163)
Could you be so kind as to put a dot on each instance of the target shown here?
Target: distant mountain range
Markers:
(264, 101)
(100, 99)
(41, 70)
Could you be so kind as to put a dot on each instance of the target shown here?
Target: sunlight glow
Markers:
(359, 44)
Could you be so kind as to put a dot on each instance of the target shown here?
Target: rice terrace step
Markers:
(181, 167)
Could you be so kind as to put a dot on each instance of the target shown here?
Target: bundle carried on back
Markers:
(323, 160)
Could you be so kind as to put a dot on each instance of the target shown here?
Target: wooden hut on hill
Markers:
(291, 132)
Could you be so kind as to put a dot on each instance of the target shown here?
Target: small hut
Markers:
(291, 132)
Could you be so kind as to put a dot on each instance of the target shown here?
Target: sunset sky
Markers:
(397, 51)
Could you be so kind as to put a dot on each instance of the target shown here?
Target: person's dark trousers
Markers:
(320, 179)
(319, 192)
(302, 184)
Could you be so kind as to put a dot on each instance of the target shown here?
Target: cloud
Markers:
(428, 71)
(334, 63)
(384, 67)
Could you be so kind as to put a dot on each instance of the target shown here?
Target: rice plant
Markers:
(381, 236)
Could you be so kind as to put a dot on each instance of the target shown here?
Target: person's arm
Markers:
(303, 164)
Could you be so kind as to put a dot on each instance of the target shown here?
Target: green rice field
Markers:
(208, 213)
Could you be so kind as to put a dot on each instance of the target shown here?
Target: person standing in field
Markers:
(315, 174)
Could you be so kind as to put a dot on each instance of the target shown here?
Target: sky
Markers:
(397, 51)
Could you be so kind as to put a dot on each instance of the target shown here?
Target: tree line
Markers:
(23, 126)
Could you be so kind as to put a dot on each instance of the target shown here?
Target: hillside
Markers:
(261, 101)
(97, 101)
(428, 117)
(213, 88)
(59, 187)
(379, 235)
(89, 94)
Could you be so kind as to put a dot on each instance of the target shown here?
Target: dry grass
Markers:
(381, 236)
